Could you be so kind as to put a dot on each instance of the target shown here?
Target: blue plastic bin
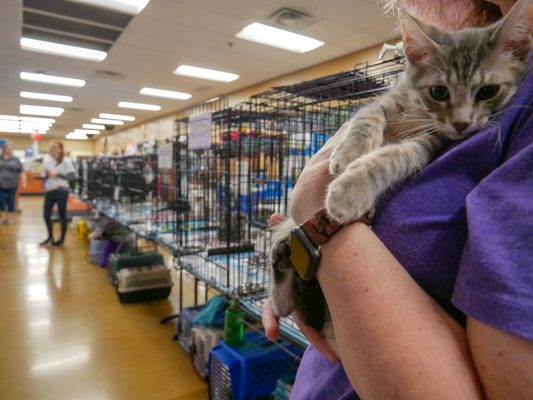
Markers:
(250, 371)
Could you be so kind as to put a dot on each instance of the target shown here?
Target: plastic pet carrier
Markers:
(118, 261)
(143, 284)
(204, 338)
(252, 370)
(184, 325)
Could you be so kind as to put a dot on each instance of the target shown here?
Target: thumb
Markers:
(276, 219)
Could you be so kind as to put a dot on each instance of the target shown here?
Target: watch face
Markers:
(304, 256)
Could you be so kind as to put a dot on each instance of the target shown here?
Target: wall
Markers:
(75, 147)
(163, 127)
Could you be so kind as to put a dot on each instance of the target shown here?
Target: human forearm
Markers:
(394, 340)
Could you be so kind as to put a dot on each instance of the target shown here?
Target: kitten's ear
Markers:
(513, 34)
(416, 40)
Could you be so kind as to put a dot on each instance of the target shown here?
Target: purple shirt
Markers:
(463, 229)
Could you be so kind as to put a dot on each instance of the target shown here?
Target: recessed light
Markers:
(52, 79)
(93, 126)
(46, 96)
(117, 116)
(87, 131)
(41, 110)
(279, 38)
(204, 73)
(139, 106)
(106, 121)
(57, 49)
(132, 7)
(169, 94)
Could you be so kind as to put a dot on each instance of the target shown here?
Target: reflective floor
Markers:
(64, 334)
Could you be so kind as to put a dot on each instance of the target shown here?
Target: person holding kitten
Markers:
(436, 301)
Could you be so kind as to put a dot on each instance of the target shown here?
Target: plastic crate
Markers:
(184, 325)
(250, 371)
(204, 338)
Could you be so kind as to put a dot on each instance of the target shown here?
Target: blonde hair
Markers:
(449, 14)
(61, 151)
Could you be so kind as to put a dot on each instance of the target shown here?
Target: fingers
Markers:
(276, 219)
(316, 339)
(270, 321)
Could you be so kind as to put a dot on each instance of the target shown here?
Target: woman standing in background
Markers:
(59, 172)
(10, 171)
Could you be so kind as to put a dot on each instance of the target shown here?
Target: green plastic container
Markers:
(234, 325)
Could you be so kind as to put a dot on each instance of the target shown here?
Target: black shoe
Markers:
(58, 243)
(47, 242)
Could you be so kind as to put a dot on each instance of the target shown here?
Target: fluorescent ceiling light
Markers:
(93, 126)
(46, 96)
(76, 136)
(21, 130)
(213, 99)
(54, 80)
(87, 131)
(41, 110)
(139, 106)
(106, 121)
(41, 46)
(169, 94)
(117, 116)
(279, 38)
(132, 7)
(17, 118)
(204, 73)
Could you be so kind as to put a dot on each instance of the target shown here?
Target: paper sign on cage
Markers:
(200, 131)
(164, 156)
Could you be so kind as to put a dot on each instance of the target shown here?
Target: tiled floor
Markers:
(64, 334)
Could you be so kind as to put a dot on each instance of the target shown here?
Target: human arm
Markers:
(394, 340)
(309, 187)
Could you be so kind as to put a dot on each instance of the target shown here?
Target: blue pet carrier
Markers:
(252, 370)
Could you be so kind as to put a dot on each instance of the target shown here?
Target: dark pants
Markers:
(60, 197)
(7, 198)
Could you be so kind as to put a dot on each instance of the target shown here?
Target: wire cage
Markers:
(246, 173)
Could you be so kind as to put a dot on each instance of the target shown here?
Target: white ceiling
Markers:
(169, 33)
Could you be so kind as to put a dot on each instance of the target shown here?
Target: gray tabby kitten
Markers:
(453, 83)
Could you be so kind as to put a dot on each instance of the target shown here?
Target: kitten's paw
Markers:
(348, 198)
(339, 160)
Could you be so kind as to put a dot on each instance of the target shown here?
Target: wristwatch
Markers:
(303, 244)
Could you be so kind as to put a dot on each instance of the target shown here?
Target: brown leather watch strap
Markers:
(321, 227)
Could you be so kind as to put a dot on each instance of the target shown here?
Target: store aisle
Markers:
(64, 334)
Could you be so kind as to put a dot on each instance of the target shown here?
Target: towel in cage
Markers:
(204, 338)
(250, 371)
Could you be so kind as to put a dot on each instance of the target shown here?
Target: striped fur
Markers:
(399, 133)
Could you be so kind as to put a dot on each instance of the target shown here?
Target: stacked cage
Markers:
(240, 168)
(216, 236)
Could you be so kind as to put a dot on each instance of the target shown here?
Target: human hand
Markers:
(271, 320)
(271, 325)
(50, 173)
(310, 189)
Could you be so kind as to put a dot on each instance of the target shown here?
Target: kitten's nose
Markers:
(460, 126)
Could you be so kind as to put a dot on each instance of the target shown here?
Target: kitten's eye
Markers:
(439, 93)
(487, 92)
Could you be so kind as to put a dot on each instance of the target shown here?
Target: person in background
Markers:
(59, 172)
(436, 301)
(10, 171)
